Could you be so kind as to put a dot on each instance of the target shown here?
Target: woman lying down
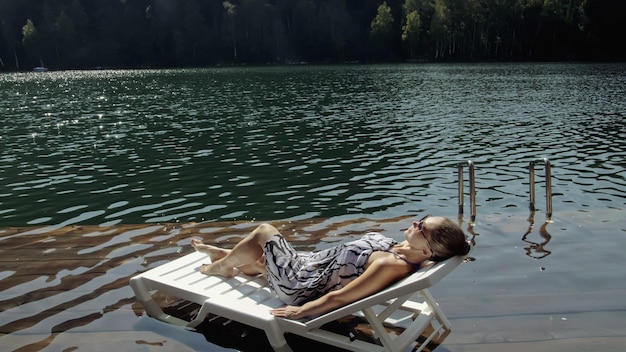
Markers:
(318, 282)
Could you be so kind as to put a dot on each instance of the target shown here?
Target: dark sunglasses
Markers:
(420, 228)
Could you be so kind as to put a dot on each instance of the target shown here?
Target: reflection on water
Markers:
(537, 250)
(108, 173)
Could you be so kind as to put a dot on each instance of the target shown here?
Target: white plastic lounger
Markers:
(406, 304)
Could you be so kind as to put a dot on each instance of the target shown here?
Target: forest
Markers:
(89, 34)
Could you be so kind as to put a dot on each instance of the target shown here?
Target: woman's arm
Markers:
(378, 275)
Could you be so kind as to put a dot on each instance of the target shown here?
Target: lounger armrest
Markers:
(420, 280)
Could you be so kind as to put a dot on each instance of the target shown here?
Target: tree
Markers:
(175, 33)
(231, 12)
(80, 20)
(65, 33)
(305, 30)
(411, 30)
(29, 35)
(440, 28)
(381, 28)
(11, 38)
(552, 14)
(337, 21)
(196, 33)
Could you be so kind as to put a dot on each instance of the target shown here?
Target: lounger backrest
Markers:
(421, 279)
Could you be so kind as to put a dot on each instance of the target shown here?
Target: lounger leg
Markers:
(436, 310)
(204, 311)
(145, 298)
(379, 329)
(276, 337)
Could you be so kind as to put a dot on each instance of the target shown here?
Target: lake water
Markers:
(104, 174)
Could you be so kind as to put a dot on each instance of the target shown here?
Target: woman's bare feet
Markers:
(217, 270)
(249, 269)
(246, 256)
(215, 253)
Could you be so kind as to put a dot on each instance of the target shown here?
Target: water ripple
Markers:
(375, 140)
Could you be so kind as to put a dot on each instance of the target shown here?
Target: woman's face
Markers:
(419, 233)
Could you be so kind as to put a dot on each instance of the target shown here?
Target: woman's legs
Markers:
(216, 253)
(246, 256)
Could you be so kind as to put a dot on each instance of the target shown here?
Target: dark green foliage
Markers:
(180, 33)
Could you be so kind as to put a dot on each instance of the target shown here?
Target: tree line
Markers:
(68, 34)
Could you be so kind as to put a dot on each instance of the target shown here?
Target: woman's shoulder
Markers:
(385, 258)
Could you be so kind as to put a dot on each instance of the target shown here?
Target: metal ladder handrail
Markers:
(472, 185)
(548, 180)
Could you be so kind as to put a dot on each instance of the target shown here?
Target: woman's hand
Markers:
(378, 275)
(289, 312)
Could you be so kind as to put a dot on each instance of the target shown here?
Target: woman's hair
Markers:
(448, 240)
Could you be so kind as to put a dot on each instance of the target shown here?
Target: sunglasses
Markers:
(420, 228)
